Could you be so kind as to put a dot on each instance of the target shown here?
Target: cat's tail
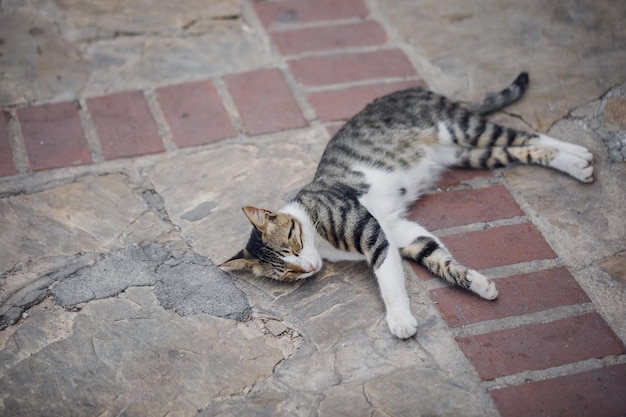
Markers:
(497, 101)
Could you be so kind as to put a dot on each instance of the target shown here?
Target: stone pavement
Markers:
(132, 133)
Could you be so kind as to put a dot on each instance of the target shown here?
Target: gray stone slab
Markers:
(188, 284)
(37, 62)
(92, 214)
(129, 356)
(110, 274)
(189, 288)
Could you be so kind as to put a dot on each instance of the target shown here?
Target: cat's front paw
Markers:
(481, 285)
(402, 325)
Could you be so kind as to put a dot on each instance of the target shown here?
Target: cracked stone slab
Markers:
(184, 282)
(349, 364)
(189, 288)
(109, 274)
(607, 118)
(129, 356)
(92, 214)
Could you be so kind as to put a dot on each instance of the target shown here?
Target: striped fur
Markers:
(380, 162)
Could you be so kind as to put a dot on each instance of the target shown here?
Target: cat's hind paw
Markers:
(482, 286)
(402, 325)
(576, 166)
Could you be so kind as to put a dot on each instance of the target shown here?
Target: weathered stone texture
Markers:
(93, 214)
(128, 355)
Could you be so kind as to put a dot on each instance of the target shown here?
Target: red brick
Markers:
(540, 346)
(303, 11)
(457, 208)
(7, 167)
(53, 136)
(519, 294)
(125, 125)
(333, 69)
(344, 103)
(499, 246)
(597, 393)
(293, 42)
(421, 272)
(195, 113)
(455, 177)
(264, 101)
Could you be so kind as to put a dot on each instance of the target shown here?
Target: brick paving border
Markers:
(540, 349)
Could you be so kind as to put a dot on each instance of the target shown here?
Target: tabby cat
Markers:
(380, 162)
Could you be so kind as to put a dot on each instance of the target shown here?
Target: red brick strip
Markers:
(335, 69)
(54, 136)
(7, 166)
(125, 125)
(298, 41)
(457, 208)
(540, 346)
(596, 393)
(499, 246)
(195, 113)
(303, 11)
(519, 294)
(455, 177)
(265, 101)
(344, 103)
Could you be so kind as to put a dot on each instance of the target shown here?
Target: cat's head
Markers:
(278, 248)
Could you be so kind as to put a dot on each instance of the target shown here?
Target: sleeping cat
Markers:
(379, 163)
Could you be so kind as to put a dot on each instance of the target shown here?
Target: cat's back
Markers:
(385, 134)
(413, 107)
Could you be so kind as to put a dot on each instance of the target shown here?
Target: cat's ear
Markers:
(237, 263)
(258, 217)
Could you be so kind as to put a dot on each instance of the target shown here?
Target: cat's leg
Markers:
(424, 248)
(570, 160)
(390, 277)
(477, 138)
(384, 258)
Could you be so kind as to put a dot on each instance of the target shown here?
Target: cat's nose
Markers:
(309, 267)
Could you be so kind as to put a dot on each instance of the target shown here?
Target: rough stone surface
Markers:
(107, 275)
(191, 288)
(614, 265)
(119, 364)
(93, 214)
